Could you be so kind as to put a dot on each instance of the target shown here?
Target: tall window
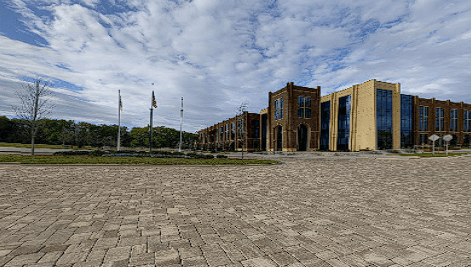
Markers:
(325, 122)
(279, 109)
(304, 107)
(222, 134)
(344, 123)
(453, 120)
(439, 119)
(407, 105)
(467, 121)
(423, 118)
(256, 128)
(384, 117)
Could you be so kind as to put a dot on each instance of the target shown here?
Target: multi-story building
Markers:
(441, 118)
(292, 119)
(373, 115)
(241, 132)
(364, 116)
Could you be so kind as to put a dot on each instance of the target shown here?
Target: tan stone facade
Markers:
(363, 119)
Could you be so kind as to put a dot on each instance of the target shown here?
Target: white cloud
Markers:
(217, 54)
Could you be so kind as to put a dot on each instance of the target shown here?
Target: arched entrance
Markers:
(302, 137)
(279, 138)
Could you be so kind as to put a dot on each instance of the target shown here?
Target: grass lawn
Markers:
(428, 155)
(37, 146)
(127, 160)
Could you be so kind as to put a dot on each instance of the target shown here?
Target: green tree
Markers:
(140, 136)
(7, 127)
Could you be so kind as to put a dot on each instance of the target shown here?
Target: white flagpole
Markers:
(151, 119)
(181, 126)
(119, 120)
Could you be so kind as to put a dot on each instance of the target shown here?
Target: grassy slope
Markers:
(126, 160)
(36, 146)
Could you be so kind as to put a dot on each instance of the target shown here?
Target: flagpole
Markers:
(181, 125)
(151, 114)
(119, 120)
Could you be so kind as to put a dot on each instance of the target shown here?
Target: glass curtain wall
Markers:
(407, 106)
(384, 119)
(325, 122)
(344, 123)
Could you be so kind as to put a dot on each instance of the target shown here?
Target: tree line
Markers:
(80, 134)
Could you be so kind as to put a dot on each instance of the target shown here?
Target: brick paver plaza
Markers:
(306, 212)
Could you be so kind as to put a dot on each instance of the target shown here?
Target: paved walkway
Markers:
(306, 212)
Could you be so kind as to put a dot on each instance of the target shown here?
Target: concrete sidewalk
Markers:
(307, 212)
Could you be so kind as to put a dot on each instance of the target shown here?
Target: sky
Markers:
(219, 54)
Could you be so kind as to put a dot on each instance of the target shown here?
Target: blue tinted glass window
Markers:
(423, 118)
(300, 101)
(439, 119)
(454, 120)
(279, 109)
(304, 107)
(344, 123)
(407, 106)
(384, 118)
(467, 121)
(325, 123)
(256, 128)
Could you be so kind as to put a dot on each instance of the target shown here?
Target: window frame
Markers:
(423, 118)
(279, 105)
(439, 119)
(467, 121)
(304, 107)
(453, 120)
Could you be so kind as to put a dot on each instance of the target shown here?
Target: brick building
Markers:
(441, 118)
(241, 132)
(292, 119)
(373, 115)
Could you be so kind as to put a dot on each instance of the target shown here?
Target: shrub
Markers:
(97, 153)
(221, 156)
(72, 153)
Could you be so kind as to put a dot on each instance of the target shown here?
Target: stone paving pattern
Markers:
(307, 212)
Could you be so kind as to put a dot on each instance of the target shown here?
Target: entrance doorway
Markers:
(279, 138)
(302, 137)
